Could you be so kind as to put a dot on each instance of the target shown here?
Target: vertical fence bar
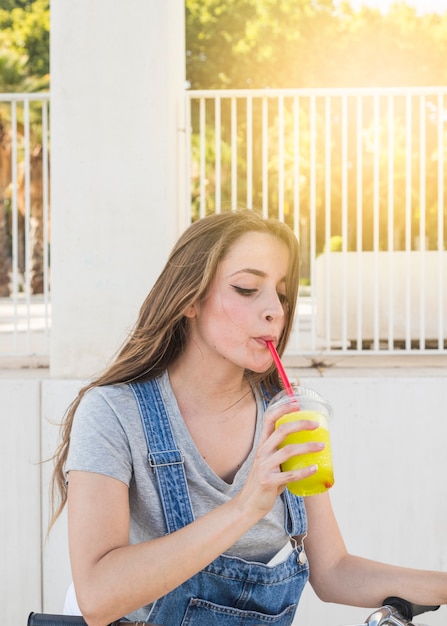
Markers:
(390, 222)
(188, 160)
(202, 157)
(265, 156)
(234, 154)
(359, 214)
(376, 221)
(281, 157)
(15, 225)
(296, 197)
(328, 225)
(440, 242)
(422, 218)
(344, 221)
(249, 133)
(408, 198)
(27, 194)
(296, 165)
(45, 212)
(218, 153)
(313, 212)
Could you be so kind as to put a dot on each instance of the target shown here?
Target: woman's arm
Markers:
(339, 577)
(113, 578)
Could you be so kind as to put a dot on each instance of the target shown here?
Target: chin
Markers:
(260, 369)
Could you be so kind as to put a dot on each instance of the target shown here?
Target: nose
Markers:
(274, 309)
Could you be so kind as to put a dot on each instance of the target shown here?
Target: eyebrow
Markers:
(249, 270)
(255, 272)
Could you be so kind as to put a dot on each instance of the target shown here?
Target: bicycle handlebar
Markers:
(407, 609)
(46, 619)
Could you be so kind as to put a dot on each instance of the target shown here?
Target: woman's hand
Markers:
(266, 480)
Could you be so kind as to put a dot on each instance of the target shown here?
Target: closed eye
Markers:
(243, 291)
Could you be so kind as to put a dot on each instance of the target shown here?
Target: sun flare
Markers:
(422, 6)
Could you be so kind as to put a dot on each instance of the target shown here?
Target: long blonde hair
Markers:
(161, 330)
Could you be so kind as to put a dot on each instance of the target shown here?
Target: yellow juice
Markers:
(323, 479)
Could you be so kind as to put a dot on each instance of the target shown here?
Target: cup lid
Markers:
(307, 397)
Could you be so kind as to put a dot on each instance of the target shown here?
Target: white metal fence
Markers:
(24, 224)
(359, 174)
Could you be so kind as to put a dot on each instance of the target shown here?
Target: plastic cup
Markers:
(315, 408)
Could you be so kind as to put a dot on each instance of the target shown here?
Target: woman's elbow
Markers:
(321, 589)
(91, 609)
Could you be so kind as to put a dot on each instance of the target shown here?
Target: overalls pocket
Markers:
(200, 612)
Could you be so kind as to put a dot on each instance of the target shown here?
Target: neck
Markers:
(210, 391)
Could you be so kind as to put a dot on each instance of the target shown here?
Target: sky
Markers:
(422, 6)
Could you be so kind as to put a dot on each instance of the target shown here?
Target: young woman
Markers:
(170, 461)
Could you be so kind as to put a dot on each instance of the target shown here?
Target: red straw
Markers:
(281, 370)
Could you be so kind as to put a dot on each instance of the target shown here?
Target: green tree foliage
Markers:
(8, 5)
(311, 43)
(24, 45)
(319, 44)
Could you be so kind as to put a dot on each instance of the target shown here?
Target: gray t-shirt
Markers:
(108, 438)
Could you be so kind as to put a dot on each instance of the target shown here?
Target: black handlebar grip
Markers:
(45, 619)
(406, 609)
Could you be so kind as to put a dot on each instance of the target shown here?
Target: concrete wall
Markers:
(20, 520)
(388, 438)
(117, 91)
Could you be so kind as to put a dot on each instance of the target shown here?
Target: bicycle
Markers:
(396, 612)
(393, 612)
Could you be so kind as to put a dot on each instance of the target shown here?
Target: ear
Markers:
(190, 312)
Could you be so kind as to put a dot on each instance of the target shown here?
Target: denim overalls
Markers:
(230, 591)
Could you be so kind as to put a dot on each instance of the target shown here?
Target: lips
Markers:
(263, 340)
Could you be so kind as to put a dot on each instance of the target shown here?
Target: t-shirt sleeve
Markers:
(98, 441)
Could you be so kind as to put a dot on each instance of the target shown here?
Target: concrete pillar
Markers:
(117, 81)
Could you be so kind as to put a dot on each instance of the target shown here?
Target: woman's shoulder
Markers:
(105, 433)
(107, 394)
(112, 403)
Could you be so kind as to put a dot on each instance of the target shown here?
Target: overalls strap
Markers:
(164, 457)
